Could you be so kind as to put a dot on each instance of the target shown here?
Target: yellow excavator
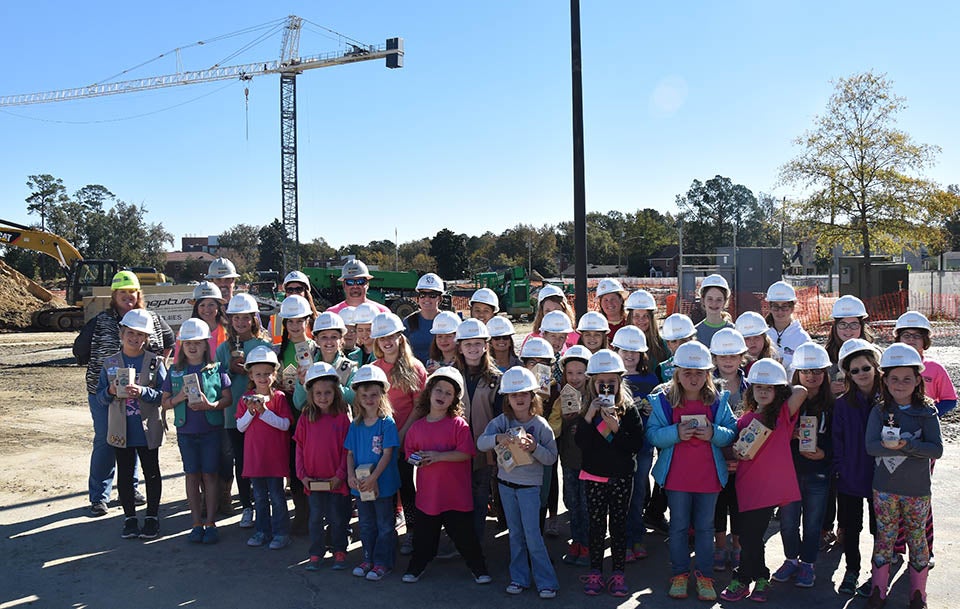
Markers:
(82, 275)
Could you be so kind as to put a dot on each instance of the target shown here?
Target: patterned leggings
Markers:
(608, 499)
(913, 511)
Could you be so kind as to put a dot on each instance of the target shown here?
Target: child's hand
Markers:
(612, 421)
(685, 431)
(301, 374)
(571, 416)
(367, 484)
(236, 365)
(816, 455)
(527, 443)
(703, 432)
(306, 482)
(134, 391)
(427, 457)
(335, 483)
(352, 482)
(900, 444)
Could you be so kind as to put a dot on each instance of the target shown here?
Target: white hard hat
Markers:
(848, 306)
(385, 324)
(576, 352)
(221, 268)
(294, 307)
(261, 354)
(592, 321)
(451, 374)
(499, 326)
(472, 328)
(487, 297)
(641, 300)
(354, 269)
(727, 341)
(370, 374)
(329, 321)
(549, 291)
(767, 371)
(630, 338)
(364, 313)
(319, 370)
(677, 327)
(901, 354)
(206, 289)
(139, 320)
(446, 322)
(610, 286)
(430, 282)
(854, 345)
(297, 276)
(714, 281)
(605, 361)
(517, 380)
(536, 348)
(194, 329)
(556, 321)
(693, 355)
(751, 323)
(348, 315)
(913, 319)
(781, 291)
(242, 303)
(810, 356)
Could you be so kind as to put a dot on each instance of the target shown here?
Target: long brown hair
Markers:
(834, 343)
(822, 402)
(256, 329)
(918, 398)
(339, 406)
(536, 406)
(657, 351)
(871, 357)
(768, 416)
(422, 407)
(564, 306)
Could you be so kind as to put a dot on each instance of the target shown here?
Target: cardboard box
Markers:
(191, 384)
(320, 485)
(807, 432)
(520, 456)
(544, 376)
(751, 439)
(125, 376)
(505, 457)
(364, 471)
(304, 354)
(571, 400)
(288, 378)
(699, 420)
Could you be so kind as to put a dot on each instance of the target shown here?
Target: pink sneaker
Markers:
(617, 585)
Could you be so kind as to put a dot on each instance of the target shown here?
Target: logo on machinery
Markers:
(8, 236)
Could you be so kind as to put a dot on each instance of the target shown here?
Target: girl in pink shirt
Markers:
(322, 459)
(768, 479)
(441, 446)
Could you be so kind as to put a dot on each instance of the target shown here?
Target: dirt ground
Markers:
(53, 555)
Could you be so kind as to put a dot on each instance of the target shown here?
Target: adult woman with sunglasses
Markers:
(417, 325)
(356, 280)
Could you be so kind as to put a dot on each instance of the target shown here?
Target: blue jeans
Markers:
(641, 482)
(814, 490)
(377, 532)
(103, 458)
(270, 505)
(522, 509)
(333, 508)
(686, 509)
(575, 500)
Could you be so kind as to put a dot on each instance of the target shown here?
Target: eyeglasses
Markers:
(814, 372)
(295, 289)
(782, 307)
(848, 325)
(428, 295)
(859, 370)
(911, 336)
(354, 282)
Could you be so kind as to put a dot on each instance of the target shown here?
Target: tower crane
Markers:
(288, 66)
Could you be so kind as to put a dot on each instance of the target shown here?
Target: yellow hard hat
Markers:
(125, 280)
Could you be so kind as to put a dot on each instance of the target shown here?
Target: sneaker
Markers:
(639, 551)
(362, 569)
(735, 591)
(314, 563)
(617, 585)
(658, 523)
(211, 535)
(786, 572)
(514, 588)
(827, 539)
(195, 535)
(399, 520)
(151, 528)
(678, 586)
(551, 529)
(719, 560)
(99, 509)
(735, 559)
(406, 547)
(257, 540)
(805, 575)
(629, 556)
(377, 573)
(865, 588)
(547, 593)
(138, 498)
(760, 589)
(131, 529)
(280, 542)
(592, 583)
(705, 589)
(339, 561)
(930, 563)
(410, 578)
(848, 585)
(246, 520)
(573, 553)
(482, 579)
(584, 559)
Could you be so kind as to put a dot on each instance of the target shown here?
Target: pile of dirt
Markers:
(20, 297)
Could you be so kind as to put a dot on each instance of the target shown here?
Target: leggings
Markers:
(753, 525)
(901, 546)
(150, 464)
(608, 499)
(892, 511)
(243, 484)
(850, 519)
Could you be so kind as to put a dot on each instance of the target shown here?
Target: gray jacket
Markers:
(905, 471)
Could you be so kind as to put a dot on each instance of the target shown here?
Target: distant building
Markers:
(209, 244)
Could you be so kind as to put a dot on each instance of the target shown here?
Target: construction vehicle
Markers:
(512, 287)
(395, 289)
(149, 275)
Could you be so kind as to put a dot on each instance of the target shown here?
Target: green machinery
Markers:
(512, 287)
(395, 289)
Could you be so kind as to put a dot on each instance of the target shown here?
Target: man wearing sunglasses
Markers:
(418, 324)
(355, 279)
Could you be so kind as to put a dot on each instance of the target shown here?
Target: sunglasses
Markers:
(781, 307)
(295, 289)
(844, 325)
(859, 370)
(502, 338)
(430, 295)
(814, 372)
(355, 282)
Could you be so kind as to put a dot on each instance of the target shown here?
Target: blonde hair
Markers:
(674, 390)
(536, 405)
(384, 409)
(404, 375)
(564, 306)
(312, 412)
(622, 400)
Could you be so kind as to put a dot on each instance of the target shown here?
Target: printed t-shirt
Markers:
(769, 478)
(266, 449)
(444, 485)
(320, 451)
(692, 468)
(367, 443)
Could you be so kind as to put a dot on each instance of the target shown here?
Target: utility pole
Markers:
(579, 187)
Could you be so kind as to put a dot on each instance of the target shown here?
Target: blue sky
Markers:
(474, 133)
